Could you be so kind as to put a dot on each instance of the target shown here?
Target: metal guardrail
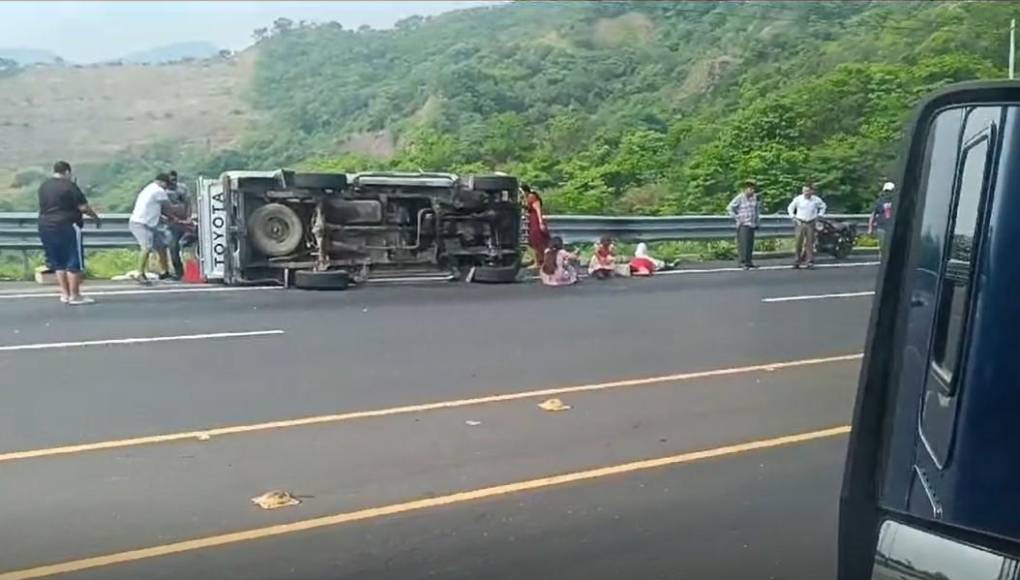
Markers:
(579, 228)
(18, 230)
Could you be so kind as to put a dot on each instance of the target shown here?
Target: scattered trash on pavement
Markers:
(272, 500)
(553, 405)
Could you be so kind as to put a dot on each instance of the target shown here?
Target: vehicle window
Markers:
(955, 293)
(937, 185)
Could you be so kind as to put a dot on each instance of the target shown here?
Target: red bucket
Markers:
(192, 273)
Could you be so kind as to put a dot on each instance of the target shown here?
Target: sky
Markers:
(92, 31)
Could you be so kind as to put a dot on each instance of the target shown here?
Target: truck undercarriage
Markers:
(325, 230)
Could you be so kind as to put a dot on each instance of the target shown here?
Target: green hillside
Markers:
(625, 107)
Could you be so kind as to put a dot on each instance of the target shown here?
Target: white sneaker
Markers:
(64, 299)
(81, 300)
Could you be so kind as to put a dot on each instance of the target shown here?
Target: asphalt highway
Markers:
(704, 439)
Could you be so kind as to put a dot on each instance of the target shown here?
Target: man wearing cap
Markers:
(881, 217)
(144, 225)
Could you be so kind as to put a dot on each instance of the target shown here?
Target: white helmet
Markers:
(888, 186)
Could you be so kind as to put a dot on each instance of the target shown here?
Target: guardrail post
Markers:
(27, 264)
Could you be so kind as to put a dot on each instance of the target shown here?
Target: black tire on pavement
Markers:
(494, 274)
(492, 183)
(275, 229)
(327, 280)
(335, 181)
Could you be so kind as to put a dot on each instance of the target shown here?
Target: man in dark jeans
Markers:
(746, 210)
(178, 217)
(881, 217)
(61, 205)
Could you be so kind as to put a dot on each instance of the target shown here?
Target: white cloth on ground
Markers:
(642, 252)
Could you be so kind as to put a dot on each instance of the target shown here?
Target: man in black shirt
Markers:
(61, 205)
(178, 217)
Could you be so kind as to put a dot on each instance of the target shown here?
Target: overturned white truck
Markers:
(327, 230)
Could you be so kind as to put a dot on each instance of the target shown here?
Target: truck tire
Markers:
(494, 274)
(334, 181)
(492, 183)
(275, 229)
(327, 280)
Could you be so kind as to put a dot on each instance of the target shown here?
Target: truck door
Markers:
(212, 228)
(930, 488)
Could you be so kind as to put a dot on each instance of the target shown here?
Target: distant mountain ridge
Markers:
(173, 52)
(28, 56)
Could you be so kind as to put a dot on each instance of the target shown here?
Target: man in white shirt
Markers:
(805, 209)
(144, 225)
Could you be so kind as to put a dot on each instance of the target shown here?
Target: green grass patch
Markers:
(99, 264)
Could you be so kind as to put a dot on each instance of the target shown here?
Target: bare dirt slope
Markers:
(89, 113)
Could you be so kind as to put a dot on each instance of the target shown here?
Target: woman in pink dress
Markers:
(559, 266)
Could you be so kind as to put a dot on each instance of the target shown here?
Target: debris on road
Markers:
(472, 423)
(272, 500)
(553, 405)
(133, 275)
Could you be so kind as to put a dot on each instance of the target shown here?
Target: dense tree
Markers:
(643, 107)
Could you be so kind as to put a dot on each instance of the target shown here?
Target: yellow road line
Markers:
(336, 418)
(411, 506)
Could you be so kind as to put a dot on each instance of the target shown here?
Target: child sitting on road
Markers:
(603, 261)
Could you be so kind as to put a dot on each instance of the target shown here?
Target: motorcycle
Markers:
(835, 238)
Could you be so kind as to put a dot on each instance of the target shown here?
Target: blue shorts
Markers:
(63, 248)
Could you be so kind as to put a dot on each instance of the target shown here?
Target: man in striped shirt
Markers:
(746, 210)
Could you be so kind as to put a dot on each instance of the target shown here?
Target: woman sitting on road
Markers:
(558, 267)
(603, 261)
(642, 264)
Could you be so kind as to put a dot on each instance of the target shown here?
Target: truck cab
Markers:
(932, 481)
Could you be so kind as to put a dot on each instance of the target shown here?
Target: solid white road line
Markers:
(736, 269)
(92, 286)
(818, 296)
(49, 345)
(116, 291)
(778, 267)
(90, 292)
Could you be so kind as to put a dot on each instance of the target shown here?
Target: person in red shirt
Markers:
(538, 230)
(642, 264)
